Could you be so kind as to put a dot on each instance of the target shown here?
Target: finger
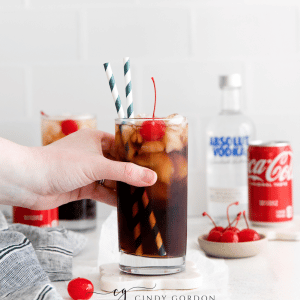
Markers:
(108, 144)
(95, 191)
(105, 195)
(107, 155)
(107, 140)
(92, 191)
(110, 184)
(127, 172)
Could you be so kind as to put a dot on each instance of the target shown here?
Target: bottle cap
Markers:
(230, 81)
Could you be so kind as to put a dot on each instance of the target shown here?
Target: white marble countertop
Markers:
(274, 274)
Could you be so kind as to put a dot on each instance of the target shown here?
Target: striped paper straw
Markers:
(114, 90)
(137, 230)
(128, 88)
(155, 231)
(136, 220)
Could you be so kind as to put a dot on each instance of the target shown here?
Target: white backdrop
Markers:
(52, 54)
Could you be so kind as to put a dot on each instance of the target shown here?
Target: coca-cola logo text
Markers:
(278, 169)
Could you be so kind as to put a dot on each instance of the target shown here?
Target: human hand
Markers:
(68, 170)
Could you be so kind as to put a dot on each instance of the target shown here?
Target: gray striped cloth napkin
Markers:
(32, 257)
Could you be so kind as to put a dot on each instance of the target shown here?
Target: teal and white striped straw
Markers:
(128, 88)
(114, 90)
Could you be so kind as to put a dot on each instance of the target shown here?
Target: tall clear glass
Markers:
(78, 215)
(152, 221)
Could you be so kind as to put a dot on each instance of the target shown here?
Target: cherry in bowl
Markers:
(231, 242)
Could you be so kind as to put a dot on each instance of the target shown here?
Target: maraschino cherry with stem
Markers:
(215, 234)
(216, 228)
(153, 130)
(234, 228)
(248, 235)
(230, 235)
(234, 203)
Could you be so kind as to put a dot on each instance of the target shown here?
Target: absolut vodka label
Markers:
(229, 148)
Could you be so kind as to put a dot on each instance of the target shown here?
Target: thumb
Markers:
(127, 172)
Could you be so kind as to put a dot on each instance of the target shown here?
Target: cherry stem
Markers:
(43, 114)
(234, 203)
(244, 214)
(155, 97)
(237, 218)
(206, 214)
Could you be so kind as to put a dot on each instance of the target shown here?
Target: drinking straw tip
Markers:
(105, 65)
(128, 87)
(114, 90)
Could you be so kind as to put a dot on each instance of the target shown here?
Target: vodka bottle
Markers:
(228, 137)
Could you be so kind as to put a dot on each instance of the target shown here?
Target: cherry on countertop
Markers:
(80, 289)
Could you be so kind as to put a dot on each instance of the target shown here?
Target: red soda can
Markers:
(40, 218)
(270, 183)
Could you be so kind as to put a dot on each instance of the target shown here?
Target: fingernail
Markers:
(148, 176)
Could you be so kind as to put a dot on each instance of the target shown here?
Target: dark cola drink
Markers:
(153, 220)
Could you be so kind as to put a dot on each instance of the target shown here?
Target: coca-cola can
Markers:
(270, 183)
(40, 218)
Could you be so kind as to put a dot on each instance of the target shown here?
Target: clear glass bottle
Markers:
(228, 137)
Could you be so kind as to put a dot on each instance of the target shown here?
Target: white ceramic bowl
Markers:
(232, 250)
